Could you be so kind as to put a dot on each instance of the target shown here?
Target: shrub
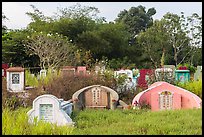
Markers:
(65, 86)
(30, 80)
(9, 99)
(192, 86)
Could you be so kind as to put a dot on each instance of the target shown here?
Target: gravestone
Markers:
(43, 73)
(182, 75)
(95, 96)
(49, 108)
(164, 74)
(129, 84)
(165, 96)
(81, 70)
(68, 70)
(198, 73)
(4, 67)
(15, 79)
(136, 74)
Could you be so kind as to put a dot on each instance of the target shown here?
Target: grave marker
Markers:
(43, 73)
(15, 79)
(198, 73)
(49, 108)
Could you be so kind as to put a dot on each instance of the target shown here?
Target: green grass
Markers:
(16, 123)
(110, 122)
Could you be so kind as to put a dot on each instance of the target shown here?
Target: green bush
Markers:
(192, 86)
(36, 80)
(10, 99)
(30, 80)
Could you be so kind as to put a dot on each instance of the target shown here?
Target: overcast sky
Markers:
(15, 11)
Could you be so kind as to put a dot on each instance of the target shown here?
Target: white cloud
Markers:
(16, 13)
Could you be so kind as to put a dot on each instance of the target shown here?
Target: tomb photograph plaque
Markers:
(15, 78)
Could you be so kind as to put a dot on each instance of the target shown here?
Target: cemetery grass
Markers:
(109, 122)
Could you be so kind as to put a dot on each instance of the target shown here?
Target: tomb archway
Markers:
(95, 96)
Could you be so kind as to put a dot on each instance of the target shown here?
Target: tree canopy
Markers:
(80, 37)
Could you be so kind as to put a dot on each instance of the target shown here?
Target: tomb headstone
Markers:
(68, 70)
(49, 108)
(198, 73)
(4, 67)
(164, 74)
(182, 75)
(95, 96)
(81, 70)
(15, 79)
(43, 73)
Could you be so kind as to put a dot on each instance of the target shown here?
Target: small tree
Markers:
(52, 49)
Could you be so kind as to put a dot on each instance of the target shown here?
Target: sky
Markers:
(16, 11)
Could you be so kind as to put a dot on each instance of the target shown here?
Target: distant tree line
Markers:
(77, 36)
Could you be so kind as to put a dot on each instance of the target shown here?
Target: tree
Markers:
(155, 43)
(182, 39)
(109, 40)
(4, 28)
(136, 19)
(39, 22)
(195, 26)
(13, 50)
(53, 50)
(77, 12)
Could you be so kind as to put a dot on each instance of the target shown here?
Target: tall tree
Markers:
(136, 19)
(39, 22)
(109, 40)
(4, 18)
(78, 11)
(13, 50)
(182, 39)
(194, 24)
(155, 42)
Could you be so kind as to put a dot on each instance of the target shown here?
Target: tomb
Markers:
(15, 79)
(182, 75)
(144, 76)
(198, 73)
(68, 70)
(81, 70)
(136, 74)
(43, 73)
(4, 67)
(96, 96)
(49, 108)
(165, 96)
(164, 74)
(129, 83)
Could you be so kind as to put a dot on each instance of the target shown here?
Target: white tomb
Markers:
(129, 84)
(43, 73)
(167, 72)
(51, 109)
(15, 79)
